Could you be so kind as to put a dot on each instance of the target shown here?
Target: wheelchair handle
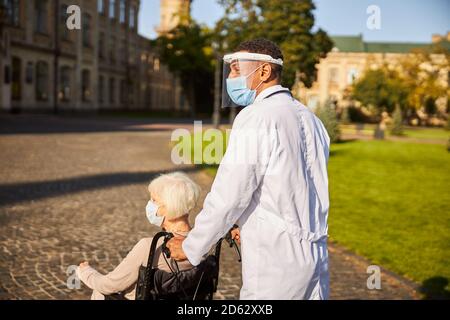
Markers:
(233, 243)
(164, 248)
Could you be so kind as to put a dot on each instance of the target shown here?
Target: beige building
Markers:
(104, 65)
(172, 13)
(349, 58)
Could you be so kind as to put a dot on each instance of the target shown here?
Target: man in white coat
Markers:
(272, 183)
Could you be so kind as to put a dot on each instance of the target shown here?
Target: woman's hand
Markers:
(84, 264)
(236, 235)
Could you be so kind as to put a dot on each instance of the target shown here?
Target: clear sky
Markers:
(401, 20)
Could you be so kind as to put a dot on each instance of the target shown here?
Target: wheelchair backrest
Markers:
(197, 283)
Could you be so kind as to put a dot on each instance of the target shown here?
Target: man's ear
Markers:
(266, 72)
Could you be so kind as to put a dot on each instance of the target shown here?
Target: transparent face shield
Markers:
(240, 77)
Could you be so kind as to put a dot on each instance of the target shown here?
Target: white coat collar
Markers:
(267, 92)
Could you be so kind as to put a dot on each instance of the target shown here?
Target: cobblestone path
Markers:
(74, 189)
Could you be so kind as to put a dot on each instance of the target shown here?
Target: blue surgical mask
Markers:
(152, 209)
(239, 92)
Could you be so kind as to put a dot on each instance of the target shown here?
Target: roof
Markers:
(357, 44)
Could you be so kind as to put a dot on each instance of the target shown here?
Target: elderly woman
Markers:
(172, 198)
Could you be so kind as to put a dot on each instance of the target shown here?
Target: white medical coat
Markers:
(278, 196)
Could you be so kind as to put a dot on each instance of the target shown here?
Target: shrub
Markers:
(397, 125)
(327, 114)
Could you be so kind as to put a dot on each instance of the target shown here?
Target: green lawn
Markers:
(427, 133)
(390, 202)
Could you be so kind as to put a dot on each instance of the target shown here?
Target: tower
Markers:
(172, 13)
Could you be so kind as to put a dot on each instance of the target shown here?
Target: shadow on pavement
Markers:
(51, 124)
(22, 192)
(435, 288)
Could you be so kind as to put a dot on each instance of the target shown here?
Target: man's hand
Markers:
(176, 251)
(236, 235)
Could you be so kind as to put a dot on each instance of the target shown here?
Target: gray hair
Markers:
(177, 192)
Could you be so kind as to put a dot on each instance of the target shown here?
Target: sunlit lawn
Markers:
(390, 202)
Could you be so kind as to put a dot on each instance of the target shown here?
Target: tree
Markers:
(380, 89)
(327, 114)
(288, 23)
(422, 71)
(397, 118)
(187, 52)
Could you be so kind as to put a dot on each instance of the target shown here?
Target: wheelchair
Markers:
(197, 283)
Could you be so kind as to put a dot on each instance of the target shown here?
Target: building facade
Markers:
(104, 65)
(348, 60)
(172, 13)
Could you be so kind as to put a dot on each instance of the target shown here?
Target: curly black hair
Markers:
(264, 46)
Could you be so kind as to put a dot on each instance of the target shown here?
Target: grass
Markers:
(427, 133)
(390, 202)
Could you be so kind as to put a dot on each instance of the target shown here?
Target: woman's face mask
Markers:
(152, 209)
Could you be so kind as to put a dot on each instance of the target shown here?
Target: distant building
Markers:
(349, 58)
(106, 65)
(172, 13)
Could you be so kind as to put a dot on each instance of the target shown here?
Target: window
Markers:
(29, 73)
(123, 91)
(42, 79)
(132, 18)
(101, 89)
(156, 64)
(101, 45)
(112, 50)
(112, 9)
(86, 85)
(12, 12)
(41, 16)
(122, 14)
(64, 87)
(123, 52)
(101, 6)
(86, 30)
(333, 76)
(130, 92)
(352, 75)
(112, 90)
(16, 87)
(313, 102)
(7, 74)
